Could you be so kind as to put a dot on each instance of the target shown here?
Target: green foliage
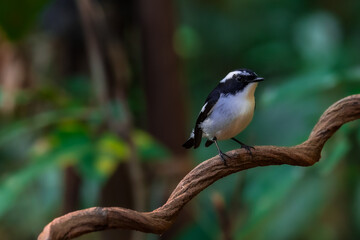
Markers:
(12, 186)
(51, 140)
(19, 16)
(304, 53)
(149, 149)
(306, 50)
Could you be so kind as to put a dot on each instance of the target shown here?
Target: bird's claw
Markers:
(223, 155)
(248, 148)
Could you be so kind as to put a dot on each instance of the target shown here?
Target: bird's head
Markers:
(240, 80)
(244, 76)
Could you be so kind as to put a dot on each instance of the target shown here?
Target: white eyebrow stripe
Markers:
(231, 74)
(244, 73)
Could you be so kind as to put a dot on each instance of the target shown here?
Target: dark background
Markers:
(97, 97)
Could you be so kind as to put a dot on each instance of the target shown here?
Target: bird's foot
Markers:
(248, 148)
(223, 156)
(243, 145)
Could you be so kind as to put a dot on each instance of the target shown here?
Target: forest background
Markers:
(97, 97)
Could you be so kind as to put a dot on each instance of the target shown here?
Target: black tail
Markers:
(208, 143)
(189, 143)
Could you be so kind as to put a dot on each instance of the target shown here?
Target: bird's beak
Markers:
(258, 79)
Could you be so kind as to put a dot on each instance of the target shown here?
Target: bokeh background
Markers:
(96, 98)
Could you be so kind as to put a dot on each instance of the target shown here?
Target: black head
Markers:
(238, 80)
(246, 76)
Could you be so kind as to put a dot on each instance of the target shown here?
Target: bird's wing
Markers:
(205, 112)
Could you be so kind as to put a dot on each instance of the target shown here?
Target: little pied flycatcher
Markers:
(227, 111)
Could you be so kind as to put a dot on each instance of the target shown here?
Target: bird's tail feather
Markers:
(208, 143)
(189, 143)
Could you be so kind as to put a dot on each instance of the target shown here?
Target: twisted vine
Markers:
(158, 221)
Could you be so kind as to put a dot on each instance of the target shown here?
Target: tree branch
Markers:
(158, 221)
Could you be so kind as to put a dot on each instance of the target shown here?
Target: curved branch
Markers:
(158, 221)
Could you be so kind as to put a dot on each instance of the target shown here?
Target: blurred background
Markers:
(97, 97)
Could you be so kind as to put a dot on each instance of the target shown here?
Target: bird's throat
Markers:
(250, 91)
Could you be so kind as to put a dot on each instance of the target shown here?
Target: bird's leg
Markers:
(221, 154)
(243, 145)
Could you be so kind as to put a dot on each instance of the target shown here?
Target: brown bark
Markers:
(163, 88)
(71, 192)
(158, 221)
(118, 192)
(164, 91)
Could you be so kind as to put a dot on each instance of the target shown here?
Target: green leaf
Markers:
(15, 183)
(37, 122)
(100, 163)
(148, 148)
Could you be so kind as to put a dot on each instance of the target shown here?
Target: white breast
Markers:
(230, 115)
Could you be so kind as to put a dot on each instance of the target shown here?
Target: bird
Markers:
(227, 111)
